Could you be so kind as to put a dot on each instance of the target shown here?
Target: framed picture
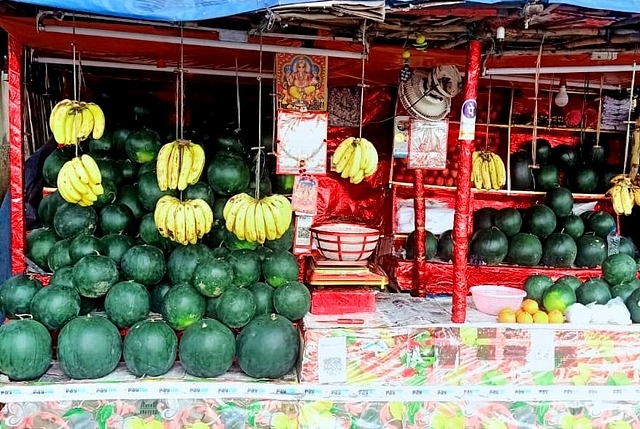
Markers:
(301, 82)
(401, 136)
(428, 144)
(301, 142)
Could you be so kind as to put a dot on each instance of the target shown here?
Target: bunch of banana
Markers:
(355, 158)
(179, 164)
(73, 121)
(257, 220)
(182, 221)
(624, 194)
(80, 181)
(487, 170)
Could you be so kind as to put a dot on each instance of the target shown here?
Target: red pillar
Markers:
(463, 196)
(16, 157)
(419, 265)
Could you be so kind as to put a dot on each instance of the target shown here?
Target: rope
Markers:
(238, 96)
(76, 85)
(486, 132)
(181, 82)
(362, 84)
(626, 146)
(534, 141)
(259, 154)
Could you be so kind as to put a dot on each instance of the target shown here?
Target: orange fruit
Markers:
(540, 317)
(530, 306)
(507, 315)
(524, 317)
(556, 316)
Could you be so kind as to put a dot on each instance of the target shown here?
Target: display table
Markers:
(405, 366)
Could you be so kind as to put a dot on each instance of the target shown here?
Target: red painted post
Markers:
(16, 157)
(463, 196)
(419, 285)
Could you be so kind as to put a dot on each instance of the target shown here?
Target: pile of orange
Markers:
(529, 312)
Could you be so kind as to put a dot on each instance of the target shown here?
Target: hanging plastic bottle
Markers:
(613, 242)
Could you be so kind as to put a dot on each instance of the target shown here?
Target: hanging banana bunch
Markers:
(80, 181)
(624, 194)
(257, 220)
(179, 164)
(184, 222)
(488, 170)
(355, 158)
(73, 121)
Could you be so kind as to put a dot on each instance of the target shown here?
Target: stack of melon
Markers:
(232, 298)
(546, 234)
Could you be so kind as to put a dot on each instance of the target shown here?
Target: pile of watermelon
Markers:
(583, 169)
(230, 299)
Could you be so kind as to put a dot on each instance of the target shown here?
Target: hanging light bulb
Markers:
(562, 98)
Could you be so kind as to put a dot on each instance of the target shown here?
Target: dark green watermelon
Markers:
(483, 218)
(128, 195)
(116, 245)
(212, 277)
(39, 243)
(584, 179)
(283, 243)
(157, 293)
(227, 174)
(53, 163)
(263, 296)
(63, 277)
(572, 225)
(559, 250)
(292, 300)
(150, 348)
(539, 220)
(489, 246)
(560, 200)
(200, 190)
(601, 223)
(521, 174)
(48, 207)
(232, 242)
(508, 220)
(16, 294)
(85, 244)
(235, 307)
(524, 249)
(109, 170)
(210, 311)
(592, 251)
(72, 220)
(182, 306)
(430, 248)
(144, 264)
(93, 275)
(564, 156)
(207, 349)
(54, 306)
(25, 350)
(218, 206)
(445, 245)
(59, 255)
(183, 261)
(103, 145)
(619, 268)
(116, 219)
(129, 170)
(279, 267)
(149, 234)
(109, 195)
(246, 266)
(127, 303)
(546, 177)
(148, 191)
(143, 145)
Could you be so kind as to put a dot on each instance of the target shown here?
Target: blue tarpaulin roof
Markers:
(194, 10)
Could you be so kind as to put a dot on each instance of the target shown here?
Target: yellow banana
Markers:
(199, 219)
(231, 202)
(160, 214)
(626, 199)
(87, 123)
(261, 227)
(198, 163)
(341, 164)
(372, 155)
(80, 171)
(281, 210)
(96, 188)
(174, 168)
(500, 170)
(354, 164)
(618, 178)
(57, 120)
(92, 169)
(239, 226)
(85, 202)
(180, 232)
(75, 181)
(271, 231)
(636, 195)
(493, 174)
(67, 190)
(186, 162)
(616, 200)
(170, 222)
(98, 120)
(69, 138)
(77, 127)
(357, 178)
(202, 207)
(476, 174)
(342, 147)
(486, 176)
(191, 231)
(162, 165)
(250, 227)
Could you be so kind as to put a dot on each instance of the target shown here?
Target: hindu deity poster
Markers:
(301, 81)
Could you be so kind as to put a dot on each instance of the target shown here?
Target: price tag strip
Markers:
(163, 389)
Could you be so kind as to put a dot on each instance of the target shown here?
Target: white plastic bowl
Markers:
(490, 299)
(345, 241)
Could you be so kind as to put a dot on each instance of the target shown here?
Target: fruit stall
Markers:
(282, 219)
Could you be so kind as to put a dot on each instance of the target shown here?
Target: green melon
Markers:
(129, 170)
(54, 306)
(89, 347)
(560, 200)
(584, 179)
(536, 285)
(39, 243)
(483, 218)
(489, 246)
(156, 294)
(182, 306)
(564, 156)
(207, 349)
(48, 207)
(232, 242)
(279, 267)
(592, 251)
(524, 249)
(572, 225)
(619, 268)
(62, 277)
(559, 250)
(508, 220)
(246, 266)
(570, 280)
(25, 350)
(210, 311)
(212, 277)
(268, 347)
(127, 303)
(558, 297)
(543, 150)
(72, 220)
(94, 275)
(150, 348)
(227, 174)
(593, 290)
(144, 264)
(16, 294)
(116, 245)
(59, 255)
(128, 195)
(547, 177)
(200, 190)
(292, 300)
(148, 191)
(235, 307)
(109, 170)
(602, 223)
(116, 219)
(84, 245)
(183, 261)
(445, 245)
(521, 174)
(624, 290)
(109, 195)
(143, 145)
(539, 220)
(283, 243)
(263, 296)
(431, 245)
(53, 163)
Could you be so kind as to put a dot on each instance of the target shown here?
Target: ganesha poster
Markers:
(301, 81)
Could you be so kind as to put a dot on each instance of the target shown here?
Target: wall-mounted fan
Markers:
(427, 94)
